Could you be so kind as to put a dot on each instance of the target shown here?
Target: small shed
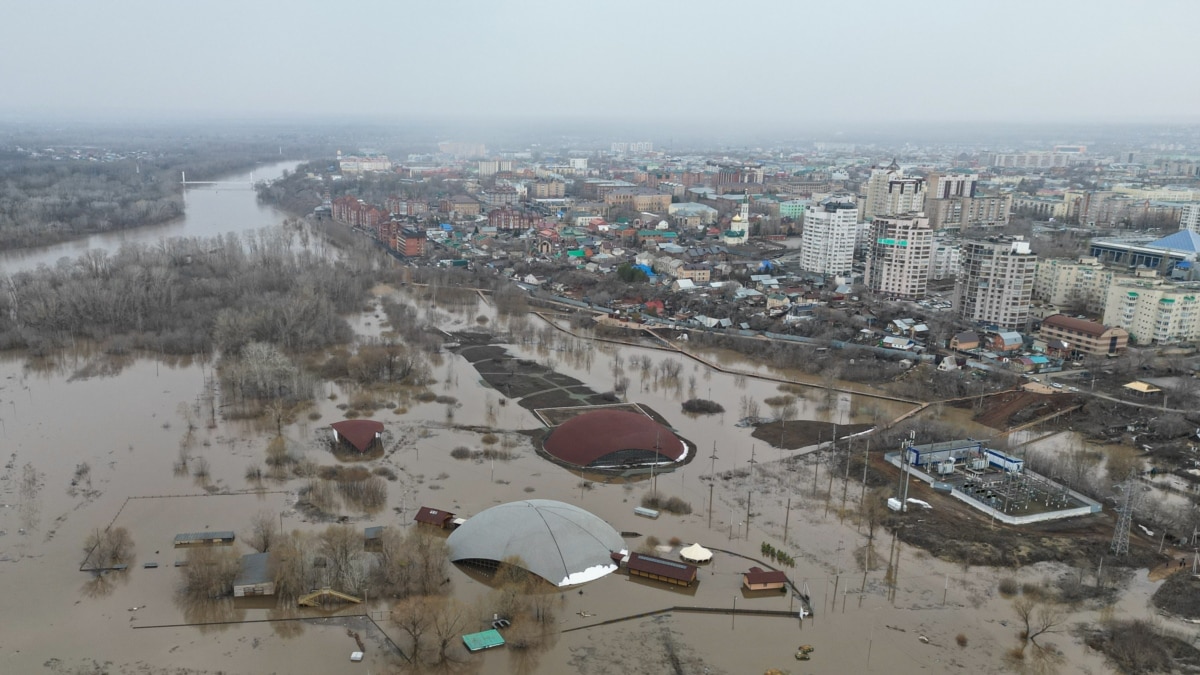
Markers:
(373, 538)
(658, 569)
(1139, 388)
(443, 520)
(357, 436)
(477, 642)
(254, 577)
(758, 579)
(207, 538)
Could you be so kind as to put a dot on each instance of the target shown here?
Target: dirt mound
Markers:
(1179, 595)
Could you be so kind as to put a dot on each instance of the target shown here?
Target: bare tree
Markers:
(210, 572)
(291, 565)
(108, 547)
(448, 618)
(263, 531)
(342, 546)
(1039, 618)
(414, 616)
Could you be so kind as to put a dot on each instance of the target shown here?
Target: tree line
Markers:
(189, 296)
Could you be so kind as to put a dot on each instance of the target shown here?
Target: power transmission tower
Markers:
(1120, 542)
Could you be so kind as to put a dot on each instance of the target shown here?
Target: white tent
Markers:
(695, 553)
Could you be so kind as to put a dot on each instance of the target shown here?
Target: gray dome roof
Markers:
(561, 543)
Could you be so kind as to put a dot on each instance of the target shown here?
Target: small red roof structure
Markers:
(681, 574)
(434, 517)
(360, 434)
(758, 579)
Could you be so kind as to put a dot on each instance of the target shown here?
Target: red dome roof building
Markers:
(614, 439)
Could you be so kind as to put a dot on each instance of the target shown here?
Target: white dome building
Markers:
(560, 543)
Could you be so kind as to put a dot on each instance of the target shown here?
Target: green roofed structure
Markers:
(477, 642)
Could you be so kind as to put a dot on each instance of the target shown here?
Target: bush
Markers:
(699, 406)
(490, 439)
(961, 640)
(652, 500)
(385, 472)
(426, 396)
(461, 452)
(448, 400)
(1008, 587)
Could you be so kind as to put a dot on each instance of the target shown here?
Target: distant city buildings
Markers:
(899, 256)
(352, 164)
(996, 284)
(827, 242)
(635, 148)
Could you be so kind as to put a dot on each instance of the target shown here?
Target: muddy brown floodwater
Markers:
(129, 428)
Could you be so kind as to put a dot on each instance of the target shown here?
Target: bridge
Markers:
(237, 183)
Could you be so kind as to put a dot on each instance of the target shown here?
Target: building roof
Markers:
(1083, 326)
(433, 516)
(207, 535)
(560, 543)
(757, 575)
(663, 568)
(253, 570)
(1183, 240)
(372, 533)
(611, 437)
(359, 433)
(483, 640)
(695, 553)
(1143, 387)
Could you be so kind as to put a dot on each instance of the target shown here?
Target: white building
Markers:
(898, 256)
(996, 284)
(827, 243)
(1189, 217)
(1153, 310)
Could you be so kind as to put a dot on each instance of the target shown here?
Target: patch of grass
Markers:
(385, 472)
(314, 416)
(529, 489)
(699, 406)
(426, 396)
(343, 474)
(448, 400)
(676, 505)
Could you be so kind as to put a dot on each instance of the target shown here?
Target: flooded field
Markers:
(129, 428)
(144, 444)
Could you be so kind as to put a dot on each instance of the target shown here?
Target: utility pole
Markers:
(787, 513)
(712, 481)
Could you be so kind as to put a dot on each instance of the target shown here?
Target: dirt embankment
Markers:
(1014, 408)
(795, 434)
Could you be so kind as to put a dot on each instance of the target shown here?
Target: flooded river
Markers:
(209, 210)
(133, 426)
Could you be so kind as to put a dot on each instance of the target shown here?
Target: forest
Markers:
(281, 286)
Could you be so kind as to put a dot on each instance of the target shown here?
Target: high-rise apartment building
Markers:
(890, 193)
(996, 283)
(1073, 284)
(827, 242)
(898, 256)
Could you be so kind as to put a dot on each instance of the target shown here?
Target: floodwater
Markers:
(209, 210)
(133, 426)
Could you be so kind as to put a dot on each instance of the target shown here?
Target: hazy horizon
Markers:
(698, 64)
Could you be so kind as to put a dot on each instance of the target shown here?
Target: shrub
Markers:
(461, 452)
(961, 640)
(385, 472)
(675, 541)
(448, 400)
(490, 439)
(426, 396)
(1008, 587)
(699, 406)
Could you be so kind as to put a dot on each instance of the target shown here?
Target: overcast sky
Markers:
(779, 63)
